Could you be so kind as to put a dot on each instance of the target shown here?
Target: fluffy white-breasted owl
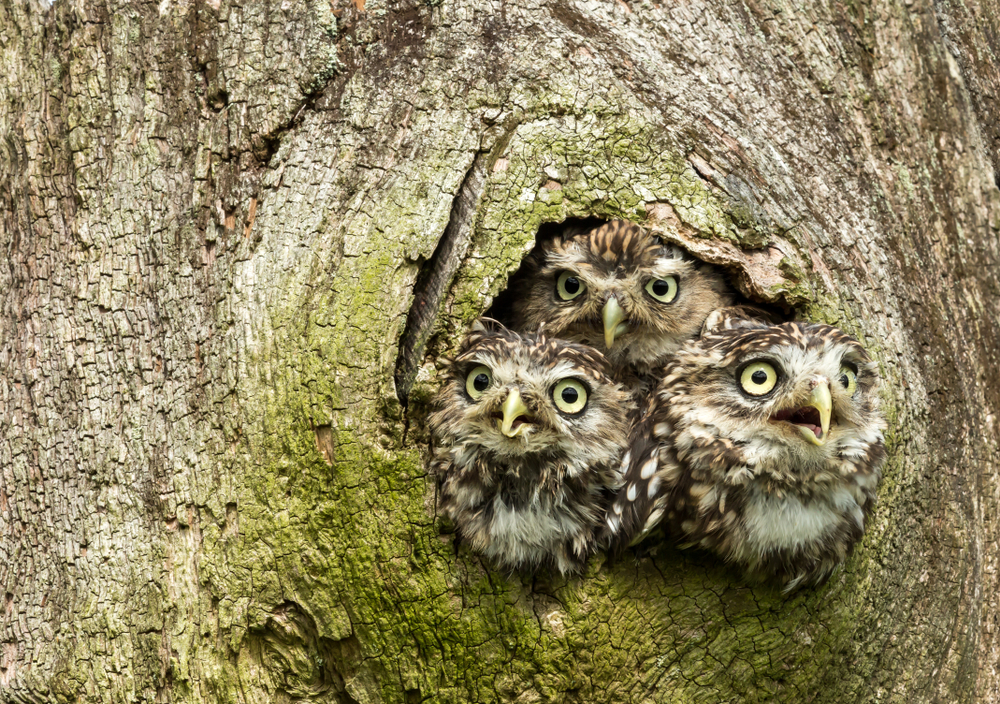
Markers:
(620, 290)
(762, 443)
(529, 433)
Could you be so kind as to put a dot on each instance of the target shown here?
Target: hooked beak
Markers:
(812, 420)
(513, 408)
(613, 316)
(822, 402)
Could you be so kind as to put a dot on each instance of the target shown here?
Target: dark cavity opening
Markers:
(435, 277)
(503, 304)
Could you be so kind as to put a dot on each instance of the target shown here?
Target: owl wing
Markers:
(651, 470)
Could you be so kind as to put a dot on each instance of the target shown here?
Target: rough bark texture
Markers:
(214, 219)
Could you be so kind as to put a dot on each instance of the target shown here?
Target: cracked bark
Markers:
(216, 218)
(432, 283)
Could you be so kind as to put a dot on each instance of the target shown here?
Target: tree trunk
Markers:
(239, 239)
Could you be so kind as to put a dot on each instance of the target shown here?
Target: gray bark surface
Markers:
(234, 236)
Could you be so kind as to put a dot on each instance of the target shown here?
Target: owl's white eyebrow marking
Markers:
(667, 267)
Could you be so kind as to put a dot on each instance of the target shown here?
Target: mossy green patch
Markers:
(337, 532)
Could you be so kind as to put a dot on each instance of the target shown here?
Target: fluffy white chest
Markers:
(774, 523)
(530, 525)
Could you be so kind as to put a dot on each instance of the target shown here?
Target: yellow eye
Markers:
(570, 396)
(664, 290)
(478, 381)
(758, 378)
(569, 286)
(848, 379)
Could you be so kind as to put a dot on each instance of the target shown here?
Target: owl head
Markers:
(620, 290)
(514, 395)
(798, 397)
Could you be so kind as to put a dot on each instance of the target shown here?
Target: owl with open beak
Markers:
(529, 431)
(763, 444)
(619, 289)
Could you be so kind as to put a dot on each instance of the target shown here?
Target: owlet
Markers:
(620, 290)
(762, 443)
(529, 433)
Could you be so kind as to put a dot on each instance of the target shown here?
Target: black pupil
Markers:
(661, 287)
(572, 284)
(570, 395)
(845, 380)
(759, 377)
(481, 382)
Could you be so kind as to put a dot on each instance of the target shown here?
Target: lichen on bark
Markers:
(214, 217)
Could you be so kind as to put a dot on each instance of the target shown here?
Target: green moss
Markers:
(352, 543)
(349, 536)
(796, 290)
(753, 232)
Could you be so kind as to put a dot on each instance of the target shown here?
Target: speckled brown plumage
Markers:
(615, 309)
(526, 481)
(754, 478)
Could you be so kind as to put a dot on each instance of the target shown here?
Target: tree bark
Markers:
(238, 241)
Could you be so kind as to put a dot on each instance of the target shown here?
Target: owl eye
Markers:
(569, 286)
(570, 396)
(848, 379)
(664, 290)
(758, 378)
(478, 381)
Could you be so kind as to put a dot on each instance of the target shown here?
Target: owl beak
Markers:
(822, 402)
(513, 408)
(613, 316)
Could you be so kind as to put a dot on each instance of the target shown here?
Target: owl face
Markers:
(794, 396)
(621, 290)
(532, 395)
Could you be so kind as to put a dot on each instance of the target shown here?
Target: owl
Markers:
(763, 444)
(529, 433)
(618, 289)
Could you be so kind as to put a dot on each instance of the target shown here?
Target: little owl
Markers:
(620, 290)
(529, 433)
(762, 443)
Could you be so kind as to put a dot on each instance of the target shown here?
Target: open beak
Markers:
(812, 420)
(613, 316)
(822, 402)
(513, 409)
